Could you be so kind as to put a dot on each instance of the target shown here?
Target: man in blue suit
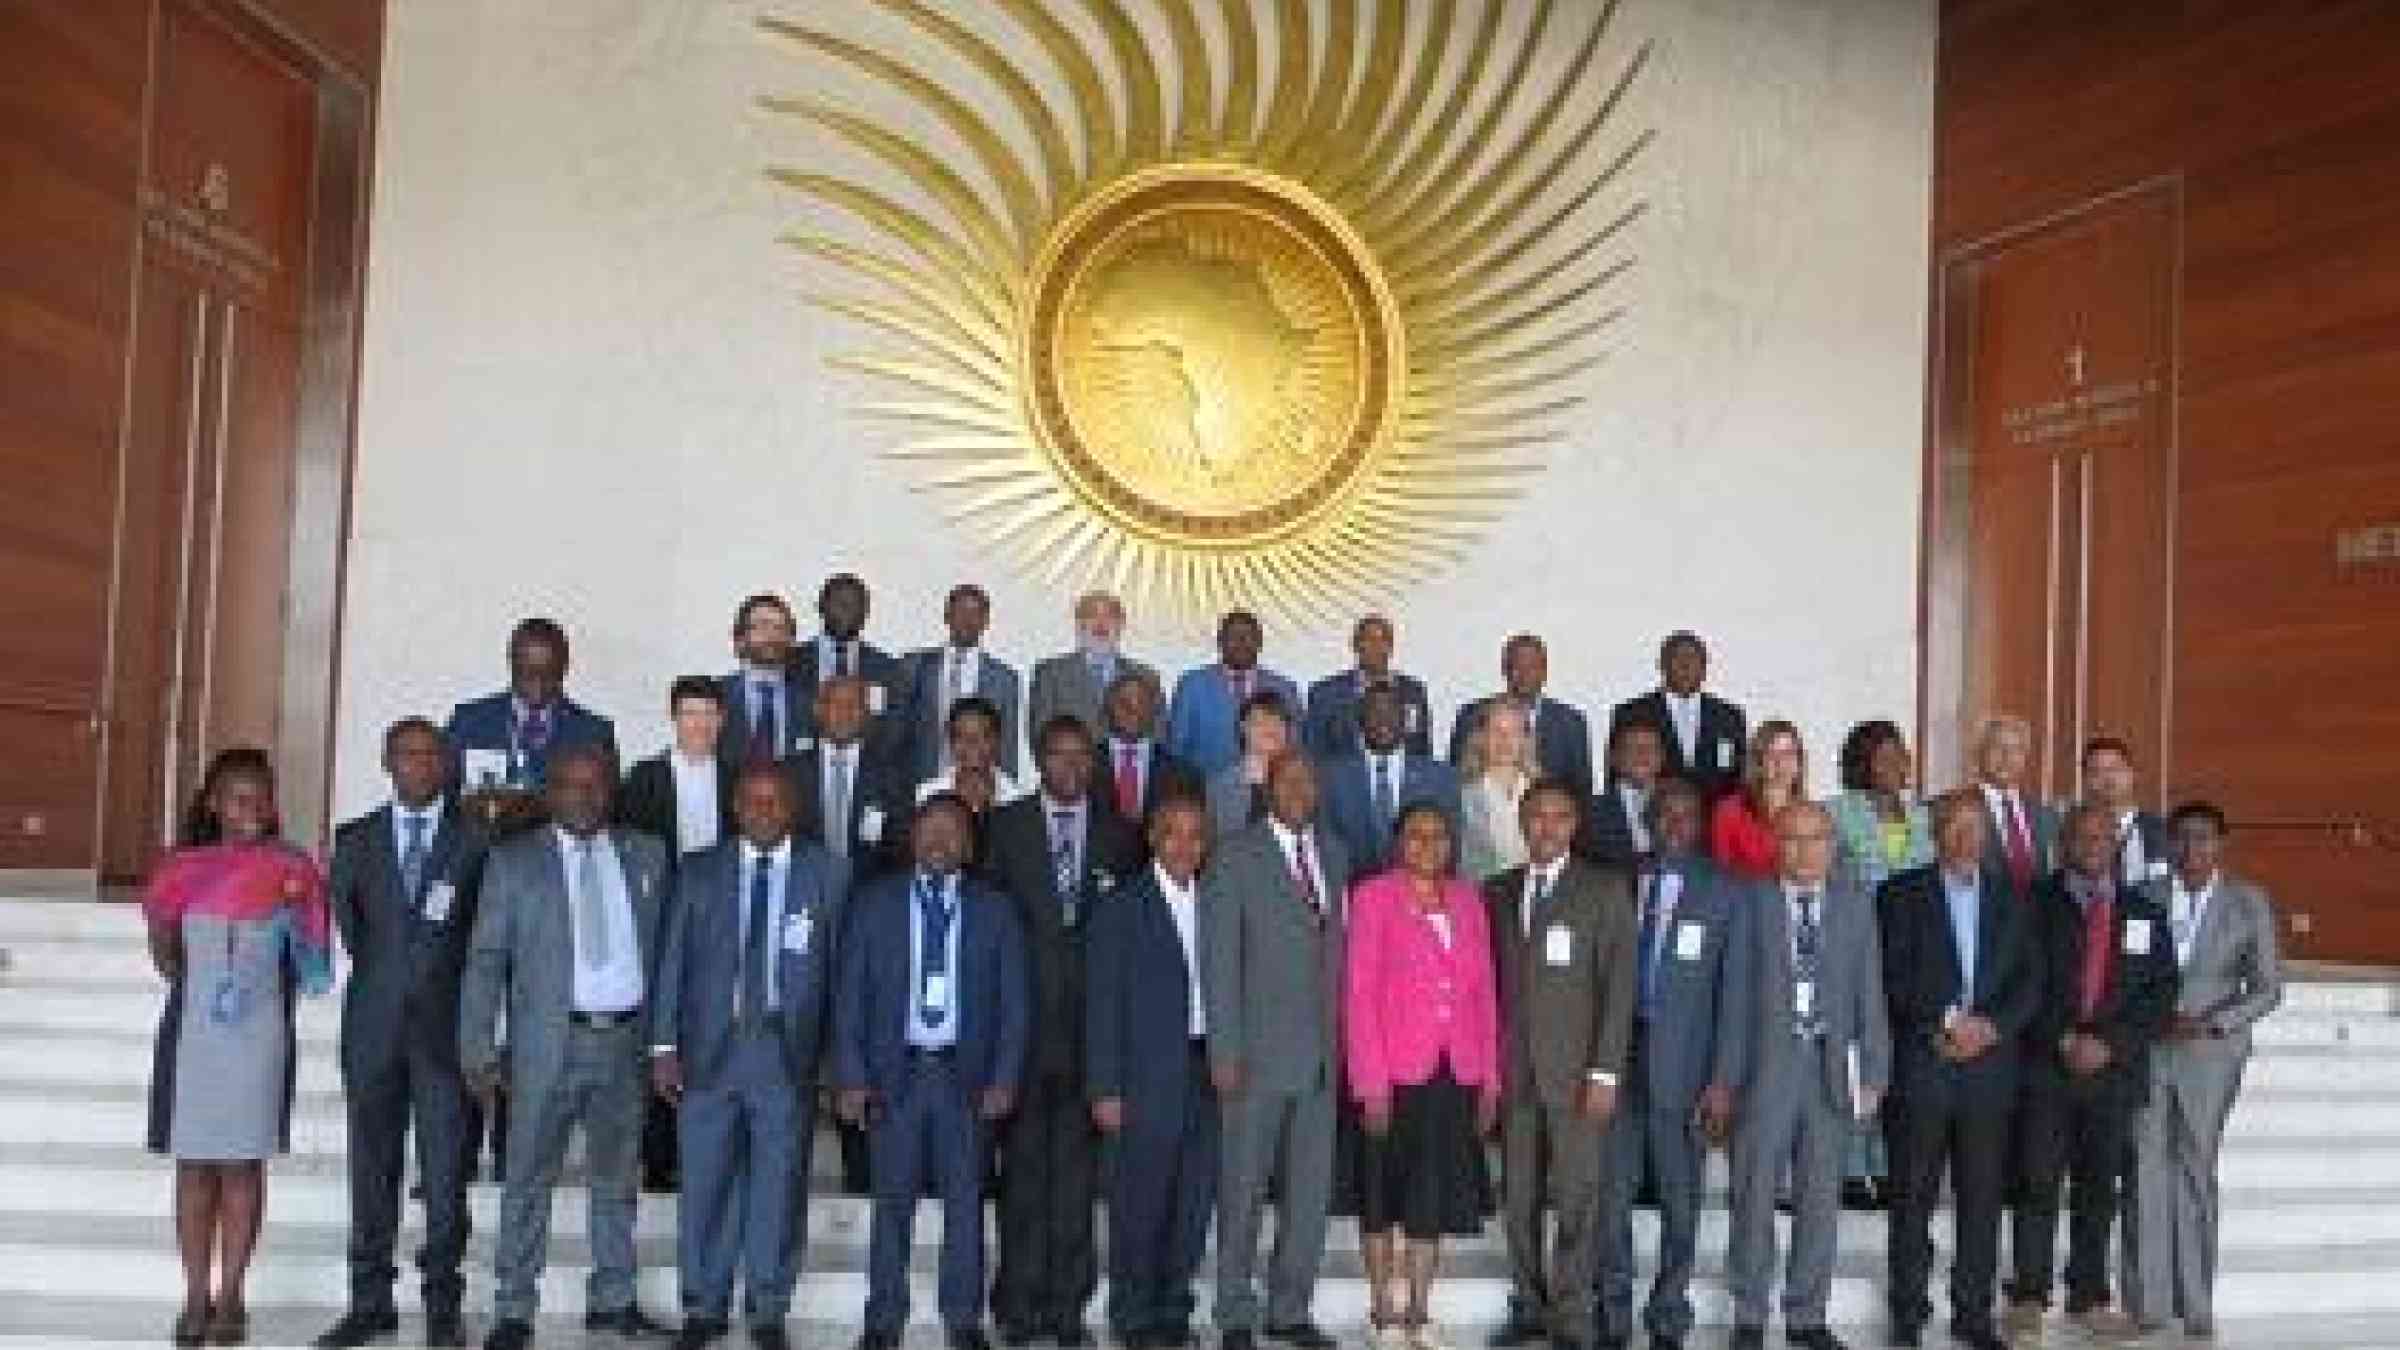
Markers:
(931, 1019)
(1365, 788)
(1562, 739)
(737, 1027)
(1146, 1070)
(1331, 727)
(766, 705)
(502, 742)
(839, 649)
(1204, 716)
(937, 677)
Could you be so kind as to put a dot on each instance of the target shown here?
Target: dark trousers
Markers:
(745, 1144)
(661, 1156)
(1162, 1193)
(479, 1125)
(420, 1091)
(931, 1129)
(1662, 1138)
(1936, 1130)
(857, 1175)
(1049, 1179)
(2074, 1138)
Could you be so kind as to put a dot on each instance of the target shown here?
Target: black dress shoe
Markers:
(1661, 1341)
(509, 1335)
(1814, 1338)
(1237, 1340)
(1748, 1338)
(1014, 1334)
(700, 1331)
(1906, 1336)
(1981, 1337)
(1071, 1334)
(1517, 1331)
(879, 1340)
(444, 1327)
(629, 1322)
(968, 1338)
(770, 1336)
(1304, 1335)
(360, 1327)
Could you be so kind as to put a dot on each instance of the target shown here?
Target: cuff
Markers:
(1604, 1077)
(657, 1050)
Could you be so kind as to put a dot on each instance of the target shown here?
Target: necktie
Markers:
(837, 803)
(841, 659)
(1541, 896)
(590, 913)
(1241, 688)
(412, 859)
(1386, 805)
(1805, 964)
(1258, 802)
(1647, 943)
(1063, 867)
(935, 909)
(1304, 873)
(2020, 847)
(2099, 933)
(764, 715)
(1129, 781)
(534, 732)
(758, 943)
(954, 685)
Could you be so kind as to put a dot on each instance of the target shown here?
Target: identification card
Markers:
(875, 698)
(483, 768)
(797, 928)
(2156, 870)
(870, 824)
(1558, 945)
(1725, 753)
(2137, 937)
(229, 1004)
(1690, 936)
(1412, 719)
(438, 898)
(1804, 998)
(801, 745)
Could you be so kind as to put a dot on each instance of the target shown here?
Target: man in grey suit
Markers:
(2223, 929)
(737, 1027)
(1237, 794)
(1807, 1050)
(564, 935)
(1562, 942)
(1271, 975)
(1075, 682)
(937, 677)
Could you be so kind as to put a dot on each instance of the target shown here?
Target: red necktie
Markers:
(2020, 848)
(1129, 783)
(2099, 935)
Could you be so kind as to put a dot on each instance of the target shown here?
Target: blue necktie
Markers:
(1649, 941)
(1386, 805)
(936, 911)
(764, 717)
(758, 944)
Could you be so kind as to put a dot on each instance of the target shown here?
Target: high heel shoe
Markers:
(191, 1327)
(228, 1326)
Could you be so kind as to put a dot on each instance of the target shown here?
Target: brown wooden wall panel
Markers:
(2281, 124)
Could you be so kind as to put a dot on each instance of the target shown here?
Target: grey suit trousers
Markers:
(1550, 1156)
(1285, 1137)
(2170, 1229)
(1788, 1119)
(599, 1085)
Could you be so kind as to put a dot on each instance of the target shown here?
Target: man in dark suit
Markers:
(1077, 682)
(2020, 833)
(1146, 1068)
(838, 650)
(737, 1026)
(1134, 770)
(2110, 783)
(501, 744)
(937, 677)
(1366, 787)
(1060, 858)
(932, 1017)
(1330, 728)
(1563, 945)
(1962, 975)
(2109, 983)
(1705, 736)
(1204, 717)
(766, 706)
(403, 886)
(1617, 830)
(566, 932)
(1562, 739)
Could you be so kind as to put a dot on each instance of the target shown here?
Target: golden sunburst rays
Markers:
(1265, 302)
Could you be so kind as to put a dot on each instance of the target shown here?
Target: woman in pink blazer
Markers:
(1422, 1040)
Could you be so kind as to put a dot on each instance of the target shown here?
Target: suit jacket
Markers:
(405, 961)
(2235, 974)
(700, 966)
(2157, 849)
(1922, 981)
(926, 715)
(875, 993)
(2041, 821)
(879, 810)
(799, 716)
(1606, 833)
(1204, 718)
(1724, 739)
(1562, 739)
(1330, 728)
(1755, 1024)
(1562, 1020)
(1165, 774)
(1065, 684)
(2139, 994)
(523, 957)
(488, 723)
(1229, 798)
(1349, 803)
(1017, 860)
(1685, 1051)
(647, 803)
(1137, 1009)
(1271, 968)
(887, 699)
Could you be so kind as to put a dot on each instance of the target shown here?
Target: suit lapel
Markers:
(1988, 900)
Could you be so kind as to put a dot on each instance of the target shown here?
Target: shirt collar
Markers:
(1546, 874)
(568, 843)
(1285, 836)
(1168, 886)
(704, 760)
(777, 857)
(430, 812)
(1054, 808)
(948, 886)
(1972, 881)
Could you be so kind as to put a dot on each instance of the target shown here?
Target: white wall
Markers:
(590, 388)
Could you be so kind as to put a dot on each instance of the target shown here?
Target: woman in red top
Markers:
(1741, 831)
(1422, 1040)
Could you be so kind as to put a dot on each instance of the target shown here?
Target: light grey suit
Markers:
(2233, 978)
(1792, 1100)
(558, 1074)
(1271, 981)
(1065, 684)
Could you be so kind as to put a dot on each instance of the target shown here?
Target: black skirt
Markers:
(1427, 1175)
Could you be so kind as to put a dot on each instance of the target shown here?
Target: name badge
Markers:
(1412, 719)
(1725, 753)
(438, 898)
(1690, 936)
(937, 998)
(483, 768)
(797, 929)
(2137, 937)
(801, 745)
(1804, 998)
(870, 824)
(875, 699)
(2156, 870)
(1558, 945)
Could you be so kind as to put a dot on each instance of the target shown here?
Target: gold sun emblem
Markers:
(1297, 354)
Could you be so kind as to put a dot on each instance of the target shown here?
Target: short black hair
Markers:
(2105, 745)
(946, 800)
(405, 725)
(973, 705)
(1060, 724)
(1632, 723)
(1682, 637)
(1267, 701)
(1421, 806)
(539, 629)
(1858, 751)
(1516, 640)
(768, 769)
(841, 581)
(1234, 616)
(694, 686)
(200, 822)
(1670, 788)
(2199, 808)
(1552, 784)
(752, 604)
(968, 590)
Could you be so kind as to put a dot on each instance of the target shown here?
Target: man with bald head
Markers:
(1077, 682)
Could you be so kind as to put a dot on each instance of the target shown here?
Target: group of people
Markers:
(1225, 949)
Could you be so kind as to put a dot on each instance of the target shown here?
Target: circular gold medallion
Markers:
(1214, 358)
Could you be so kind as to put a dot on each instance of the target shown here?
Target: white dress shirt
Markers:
(1540, 878)
(696, 809)
(1005, 789)
(1183, 905)
(2185, 911)
(969, 673)
(1636, 802)
(1684, 711)
(402, 814)
(2002, 801)
(613, 986)
(1292, 842)
(2133, 865)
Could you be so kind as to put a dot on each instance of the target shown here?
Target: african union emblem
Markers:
(1295, 344)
